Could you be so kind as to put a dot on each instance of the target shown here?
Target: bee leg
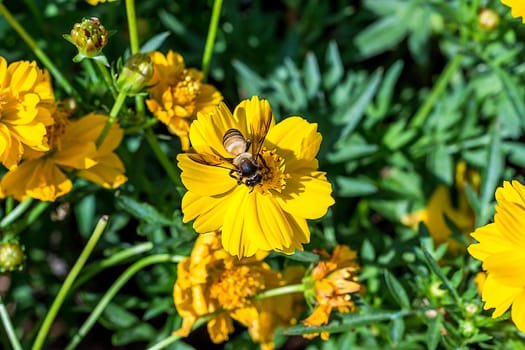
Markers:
(262, 161)
(239, 179)
(248, 144)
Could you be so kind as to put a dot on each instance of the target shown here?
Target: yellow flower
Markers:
(96, 2)
(518, 8)
(441, 204)
(178, 94)
(42, 175)
(26, 105)
(500, 248)
(212, 281)
(330, 285)
(270, 214)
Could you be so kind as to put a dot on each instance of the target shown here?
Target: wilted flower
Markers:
(178, 94)
(27, 102)
(90, 37)
(500, 248)
(261, 203)
(518, 8)
(330, 285)
(137, 71)
(442, 204)
(211, 281)
(42, 175)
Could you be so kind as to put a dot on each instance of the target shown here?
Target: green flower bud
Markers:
(89, 37)
(11, 256)
(135, 74)
(488, 19)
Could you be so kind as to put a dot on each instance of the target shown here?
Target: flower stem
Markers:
(132, 27)
(438, 89)
(66, 286)
(210, 39)
(35, 212)
(38, 52)
(15, 213)
(112, 117)
(114, 259)
(113, 290)
(8, 326)
(174, 337)
(292, 288)
(172, 172)
(107, 78)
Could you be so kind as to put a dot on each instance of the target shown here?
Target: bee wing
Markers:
(259, 129)
(211, 160)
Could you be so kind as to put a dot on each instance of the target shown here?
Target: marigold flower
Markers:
(213, 281)
(178, 94)
(441, 204)
(329, 287)
(12, 256)
(26, 104)
(500, 248)
(518, 8)
(270, 214)
(42, 175)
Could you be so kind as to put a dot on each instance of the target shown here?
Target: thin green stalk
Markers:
(66, 286)
(132, 27)
(38, 52)
(438, 89)
(146, 125)
(113, 290)
(210, 39)
(107, 78)
(114, 259)
(174, 337)
(292, 288)
(8, 326)
(112, 117)
(172, 172)
(34, 214)
(16, 212)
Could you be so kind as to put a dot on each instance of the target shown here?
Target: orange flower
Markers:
(330, 285)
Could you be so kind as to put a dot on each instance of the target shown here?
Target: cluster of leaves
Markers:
(402, 91)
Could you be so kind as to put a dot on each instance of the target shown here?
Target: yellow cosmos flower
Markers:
(42, 175)
(267, 210)
(518, 8)
(26, 104)
(178, 94)
(441, 204)
(212, 281)
(500, 248)
(330, 285)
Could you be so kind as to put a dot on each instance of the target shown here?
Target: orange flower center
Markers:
(58, 129)
(185, 92)
(273, 171)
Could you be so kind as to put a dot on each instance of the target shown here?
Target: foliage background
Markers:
(401, 89)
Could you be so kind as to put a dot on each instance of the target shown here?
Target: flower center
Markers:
(58, 129)
(273, 172)
(186, 91)
(235, 287)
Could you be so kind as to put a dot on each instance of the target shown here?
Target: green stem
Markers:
(66, 286)
(210, 39)
(438, 89)
(8, 326)
(112, 117)
(146, 125)
(292, 288)
(38, 52)
(174, 337)
(114, 259)
(9, 204)
(113, 290)
(172, 172)
(132, 27)
(107, 78)
(33, 215)
(15, 213)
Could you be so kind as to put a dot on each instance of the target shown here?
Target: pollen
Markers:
(274, 175)
(186, 91)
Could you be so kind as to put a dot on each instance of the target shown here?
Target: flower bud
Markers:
(11, 256)
(135, 74)
(89, 37)
(488, 19)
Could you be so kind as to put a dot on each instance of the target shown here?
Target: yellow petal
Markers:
(517, 6)
(518, 311)
(108, 172)
(220, 327)
(296, 135)
(498, 296)
(307, 195)
(510, 220)
(207, 131)
(507, 267)
(491, 242)
(204, 180)
(208, 212)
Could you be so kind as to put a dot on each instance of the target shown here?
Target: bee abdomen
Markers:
(234, 142)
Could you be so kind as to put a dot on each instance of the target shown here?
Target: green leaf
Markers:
(139, 332)
(117, 317)
(335, 66)
(142, 211)
(354, 187)
(441, 164)
(397, 290)
(384, 95)
(491, 175)
(302, 256)
(312, 75)
(435, 325)
(85, 214)
(436, 269)
(154, 43)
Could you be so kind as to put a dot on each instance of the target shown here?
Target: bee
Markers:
(247, 165)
